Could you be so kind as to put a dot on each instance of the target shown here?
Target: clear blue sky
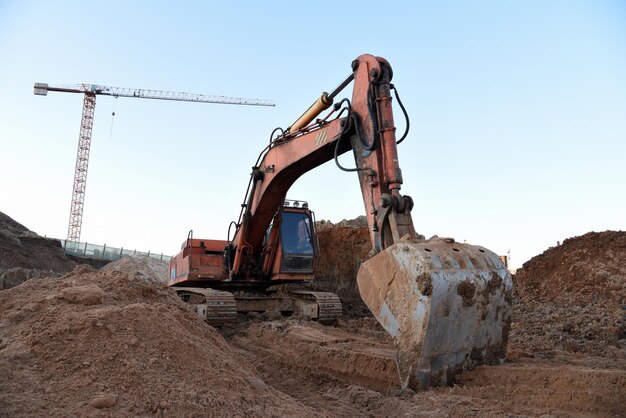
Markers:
(518, 113)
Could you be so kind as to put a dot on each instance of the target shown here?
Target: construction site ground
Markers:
(78, 341)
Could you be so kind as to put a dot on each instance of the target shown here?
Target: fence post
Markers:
(85, 250)
(104, 250)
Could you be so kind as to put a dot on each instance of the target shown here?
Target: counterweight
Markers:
(86, 126)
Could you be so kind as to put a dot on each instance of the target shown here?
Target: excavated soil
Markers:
(144, 269)
(104, 343)
(343, 371)
(573, 297)
(117, 342)
(25, 255)
(589, 268)
(342, 250)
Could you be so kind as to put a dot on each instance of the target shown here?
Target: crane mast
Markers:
(86, 127)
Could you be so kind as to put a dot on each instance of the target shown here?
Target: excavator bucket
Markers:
(446, 305)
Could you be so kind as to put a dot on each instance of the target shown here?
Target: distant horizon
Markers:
(147, 250)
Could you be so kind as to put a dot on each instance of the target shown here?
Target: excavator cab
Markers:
(298, 247)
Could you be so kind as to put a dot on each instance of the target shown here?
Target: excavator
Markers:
(446, 305)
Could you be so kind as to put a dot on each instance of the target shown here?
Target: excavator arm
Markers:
(368, 129)
(446, 305)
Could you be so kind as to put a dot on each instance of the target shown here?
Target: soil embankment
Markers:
(566, 354)
(25, 255)
(118, 342)
(106, 342)
(572, 297)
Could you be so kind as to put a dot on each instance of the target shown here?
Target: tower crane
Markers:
(86, 125)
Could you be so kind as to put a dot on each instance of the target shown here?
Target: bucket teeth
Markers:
(446, 305)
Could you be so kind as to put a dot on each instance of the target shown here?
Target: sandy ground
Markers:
(350, 371)
(117, 342)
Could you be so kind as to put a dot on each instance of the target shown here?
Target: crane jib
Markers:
(84, 141)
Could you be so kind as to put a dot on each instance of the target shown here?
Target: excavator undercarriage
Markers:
(220, 308)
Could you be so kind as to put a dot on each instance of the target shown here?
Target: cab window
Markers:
(297, 243)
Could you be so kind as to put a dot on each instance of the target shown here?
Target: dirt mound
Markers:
(591, 267)
(96, 263)
(342, 250)
(141, 268)
(358, 222)
(10, 226)
(17, 275)
(572, 298)
(24, 254)
(104, 343)
(545, 328)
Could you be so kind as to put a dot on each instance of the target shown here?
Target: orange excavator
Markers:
(446, 305)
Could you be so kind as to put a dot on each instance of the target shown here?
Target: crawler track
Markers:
(217, 306)
(328, 305)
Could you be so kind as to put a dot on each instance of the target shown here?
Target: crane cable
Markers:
(111, 130)
(112, 119)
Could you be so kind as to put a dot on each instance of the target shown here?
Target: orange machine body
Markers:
(290, 254)
(199, 261)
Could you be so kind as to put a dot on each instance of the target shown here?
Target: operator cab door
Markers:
(297, 242)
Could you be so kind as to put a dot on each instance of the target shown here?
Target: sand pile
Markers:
(590, 268)
(343, 247)
(342, 250)
(141, 268)
(25, 255)
(358, 222)
(572, 297)
(104, 343)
